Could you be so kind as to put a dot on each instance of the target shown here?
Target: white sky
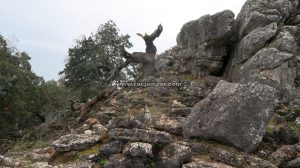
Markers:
(47, 28)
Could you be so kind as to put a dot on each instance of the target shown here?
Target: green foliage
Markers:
(20, 100)
(103, 162)
(91, 60)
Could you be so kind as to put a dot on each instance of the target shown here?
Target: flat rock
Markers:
(143, 135)
(171, 125)
(205, 164)
(71, 142)
(233, 113)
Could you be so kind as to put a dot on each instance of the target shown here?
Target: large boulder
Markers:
(259, 13)
(233, 113)
(203, 43)
(208, 28)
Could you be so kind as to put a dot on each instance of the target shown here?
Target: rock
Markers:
(259, 13)
(171, 125)
(174, 155)
(282, 155)
(180, 112)
(293, 163)
(71, 142)
(41, 165)
(113, 147)
(78, 164)
(138, 149)
(233, 113)
(144, 117)
(125, 122)
(149, 136)
(100, 130)
(217, 27)
(285, 135)
(253, 42)
(203, 43)
(90, 122)
(88, 132)
(205, 164)
(8, 162)
(297, 121)
(116, 161)
(120, 161)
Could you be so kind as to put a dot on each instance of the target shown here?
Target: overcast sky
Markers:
(47, 28)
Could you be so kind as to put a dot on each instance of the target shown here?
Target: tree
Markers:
(92, 59)
(20, 102)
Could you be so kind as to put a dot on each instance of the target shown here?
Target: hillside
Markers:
(227, 95)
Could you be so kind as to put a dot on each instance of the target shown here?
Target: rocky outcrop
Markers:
(259, 13)
(203, 43)
(265, 51)
(233, 113)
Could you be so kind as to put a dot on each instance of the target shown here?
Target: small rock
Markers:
(174, 155)
(169, 124)
(283, 154)
(180, 112)
(138, 149)
(88, 132)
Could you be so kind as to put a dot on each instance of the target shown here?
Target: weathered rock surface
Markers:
(138, 149)
(203, 43)
(111, 148)
(282, 155)
(75, 142)
(204, 164)
(171, 125)
(293, 163)
(180, 112)
(174, 155)
(233, 113)
(229, 156)
(259, 13)
(149, 136)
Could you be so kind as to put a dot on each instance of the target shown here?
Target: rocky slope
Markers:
(238, 103)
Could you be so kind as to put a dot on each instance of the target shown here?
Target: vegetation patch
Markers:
(90, 151)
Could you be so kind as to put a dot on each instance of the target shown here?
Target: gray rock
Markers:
(174, 155)
(270, 67)
(121, 161)
(125, 122)
(205, 164)
(113, 147)
(259, 13)
(138, 149)
(285, 135)
(71, 142)
(282, 155)
(254, 41)
(233, 113)
(203, 43)
(293, 163)
(180, 112)
(218, 27)
(171, 125)
(149, 136)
